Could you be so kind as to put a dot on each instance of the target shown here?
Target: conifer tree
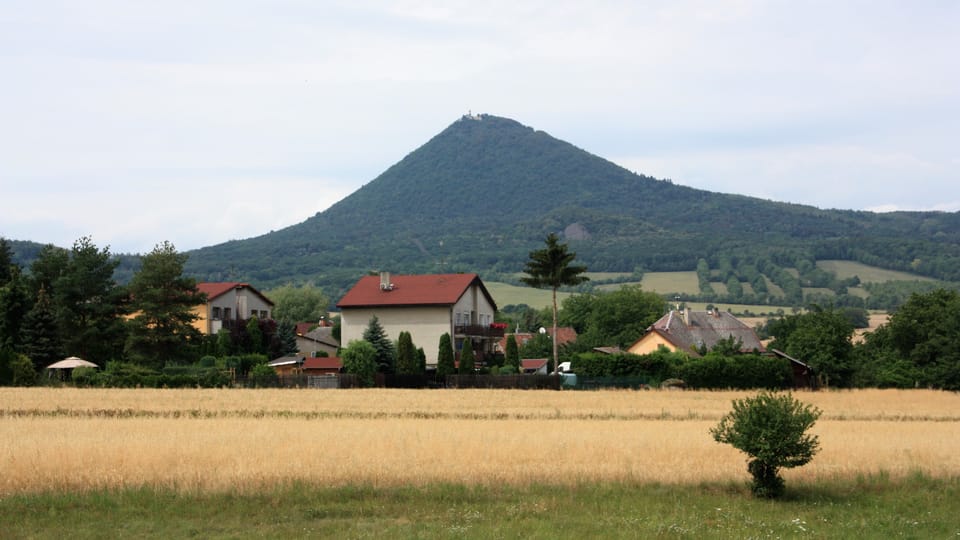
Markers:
(163, 300)
(445, 362)
(407, 362)
(89, 304)
(467, 360)
(288, 337)
(376, 336)
(41, 340)
(421, 360)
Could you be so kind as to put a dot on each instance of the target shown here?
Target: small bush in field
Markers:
(772, 430)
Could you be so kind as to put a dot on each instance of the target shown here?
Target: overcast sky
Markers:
(201, 121)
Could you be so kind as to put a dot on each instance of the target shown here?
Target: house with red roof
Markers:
(565, 334)
(427, 306)
(228, 302)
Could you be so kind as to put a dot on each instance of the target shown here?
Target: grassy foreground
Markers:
(867, 507)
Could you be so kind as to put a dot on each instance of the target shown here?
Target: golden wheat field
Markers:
(240, 440)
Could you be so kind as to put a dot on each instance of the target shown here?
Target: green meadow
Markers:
(866, 507)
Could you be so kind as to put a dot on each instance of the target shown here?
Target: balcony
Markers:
(494, 331)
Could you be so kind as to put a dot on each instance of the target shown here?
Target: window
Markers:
(253, 313)
(216, 312)
(226, 313)
(264, 314)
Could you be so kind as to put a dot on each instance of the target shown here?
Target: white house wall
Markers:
(426, 324)
(474, 301)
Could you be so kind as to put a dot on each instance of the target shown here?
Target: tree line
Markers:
(69, 304)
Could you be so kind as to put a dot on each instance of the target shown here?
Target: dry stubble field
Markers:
(242, 440)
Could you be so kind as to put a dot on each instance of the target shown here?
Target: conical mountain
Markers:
(486, 190)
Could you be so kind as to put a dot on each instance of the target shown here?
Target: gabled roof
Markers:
(415, 290)
(215, 289)
(322, 334)
(693, 329)
(531, 364)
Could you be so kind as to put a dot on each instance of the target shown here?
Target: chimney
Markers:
(385, 281)
(686, 316)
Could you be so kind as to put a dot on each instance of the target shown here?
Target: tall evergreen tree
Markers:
(14, 305)
(287, 333)
(407, 362)
(467, 359)
(445, 362)
(376, 336)
(550, 267)
(163, 300)
(47, 268)
(41, 340)
(421, 360)
(6, 260)
(89, 304)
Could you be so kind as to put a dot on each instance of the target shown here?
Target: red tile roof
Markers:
(215, 289)
(533, 363)
(304, 327)
(565, 334)
(417, 290)
(323, 362)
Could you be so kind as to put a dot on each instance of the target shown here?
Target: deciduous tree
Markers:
(299, 304)
(360, 358)
(772, 430)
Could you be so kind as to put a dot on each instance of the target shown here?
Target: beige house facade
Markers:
(427, 306)
(228, 302)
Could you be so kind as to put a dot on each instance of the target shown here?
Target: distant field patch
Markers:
(505, 294)
(670, 282)
(867, 274)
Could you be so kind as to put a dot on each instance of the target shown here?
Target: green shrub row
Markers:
(713, 371)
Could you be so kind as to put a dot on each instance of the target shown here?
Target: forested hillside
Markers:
(486, 190)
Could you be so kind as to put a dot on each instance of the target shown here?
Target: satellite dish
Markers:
(543, 330)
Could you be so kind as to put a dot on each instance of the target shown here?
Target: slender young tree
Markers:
(550, 268)
(163, 299)
(445, 362)
(512, 354)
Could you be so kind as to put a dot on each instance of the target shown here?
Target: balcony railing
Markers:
(477, 330)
